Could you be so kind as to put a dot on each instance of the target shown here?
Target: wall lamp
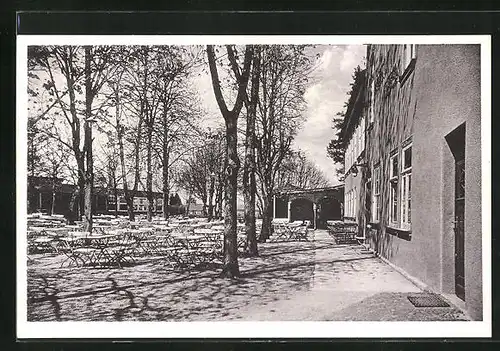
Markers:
(354, 169)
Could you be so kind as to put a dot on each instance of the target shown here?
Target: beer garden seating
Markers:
(343, 232)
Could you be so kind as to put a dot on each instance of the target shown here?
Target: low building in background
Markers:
(314, 205)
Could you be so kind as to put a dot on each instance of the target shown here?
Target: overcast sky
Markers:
(325, 96)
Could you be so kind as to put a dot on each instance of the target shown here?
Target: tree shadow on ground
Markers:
(152, 291)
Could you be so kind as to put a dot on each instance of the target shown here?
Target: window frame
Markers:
(394, 190)
(408, 62)
(372, 101)
(122, 204)
(375, 215)
(405, 203)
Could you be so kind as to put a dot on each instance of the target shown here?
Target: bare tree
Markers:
(298, 171)
(249, 183)
(199, 175)
(285, 71)
(52, 162)
(76, 68)
(230, 268)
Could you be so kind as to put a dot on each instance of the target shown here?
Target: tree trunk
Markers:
(117, 203)
(204, 200)
(53, 204)
(149, 172)
(166, 195)
(267, 218)
(87, 147)
(211, 199)
(249, 185)
(81, 186)
(219, 196)
(72, 211)
(188, 205)
(231, 268)
(126, 192)
(166, 157)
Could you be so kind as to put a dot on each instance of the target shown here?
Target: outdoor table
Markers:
(75, 250)
(43, 244)
(134, 225)
(99, 229)
(162, 227)
(281, 231)
(37, 229)
(57, 231)
(78, 234)
(187, 247)
(104, 254)
(298, 232)
(165, 245)
(162, 222)
(141, 237)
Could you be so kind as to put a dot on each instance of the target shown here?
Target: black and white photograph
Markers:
(281, 186)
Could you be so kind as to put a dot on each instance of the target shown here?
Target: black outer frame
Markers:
(315, 23)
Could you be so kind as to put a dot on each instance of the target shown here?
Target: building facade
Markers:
(314, 205)
(353, 137)
(53, 196)
(419, 200)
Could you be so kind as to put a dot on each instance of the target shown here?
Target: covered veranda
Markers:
(314, 205)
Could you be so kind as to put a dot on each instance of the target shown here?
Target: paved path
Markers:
(350, 284)
(316, 280)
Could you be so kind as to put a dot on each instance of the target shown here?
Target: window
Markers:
(159, 205)
(362, 139)
(123, 204)
(406, 188)
(372, 101)
(346, 204)
(393, 188)
(376, 195)
(356, 145)
(408, 55)
(354, 203)
(142, 204)
(400, 167)
(349, 210)
(407, 62)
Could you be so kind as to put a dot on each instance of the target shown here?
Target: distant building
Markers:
(44, 191)
(196, 210)
(413, 182)
(314, 205)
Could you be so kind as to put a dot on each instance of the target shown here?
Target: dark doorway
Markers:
(281, 207)
(456, 141)
(301, 210)
(329, 209)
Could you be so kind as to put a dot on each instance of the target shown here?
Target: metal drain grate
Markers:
(427, 300)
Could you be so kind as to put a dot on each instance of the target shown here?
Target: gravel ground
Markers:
(316, 280)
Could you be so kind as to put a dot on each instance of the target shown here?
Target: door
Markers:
(459, 228)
